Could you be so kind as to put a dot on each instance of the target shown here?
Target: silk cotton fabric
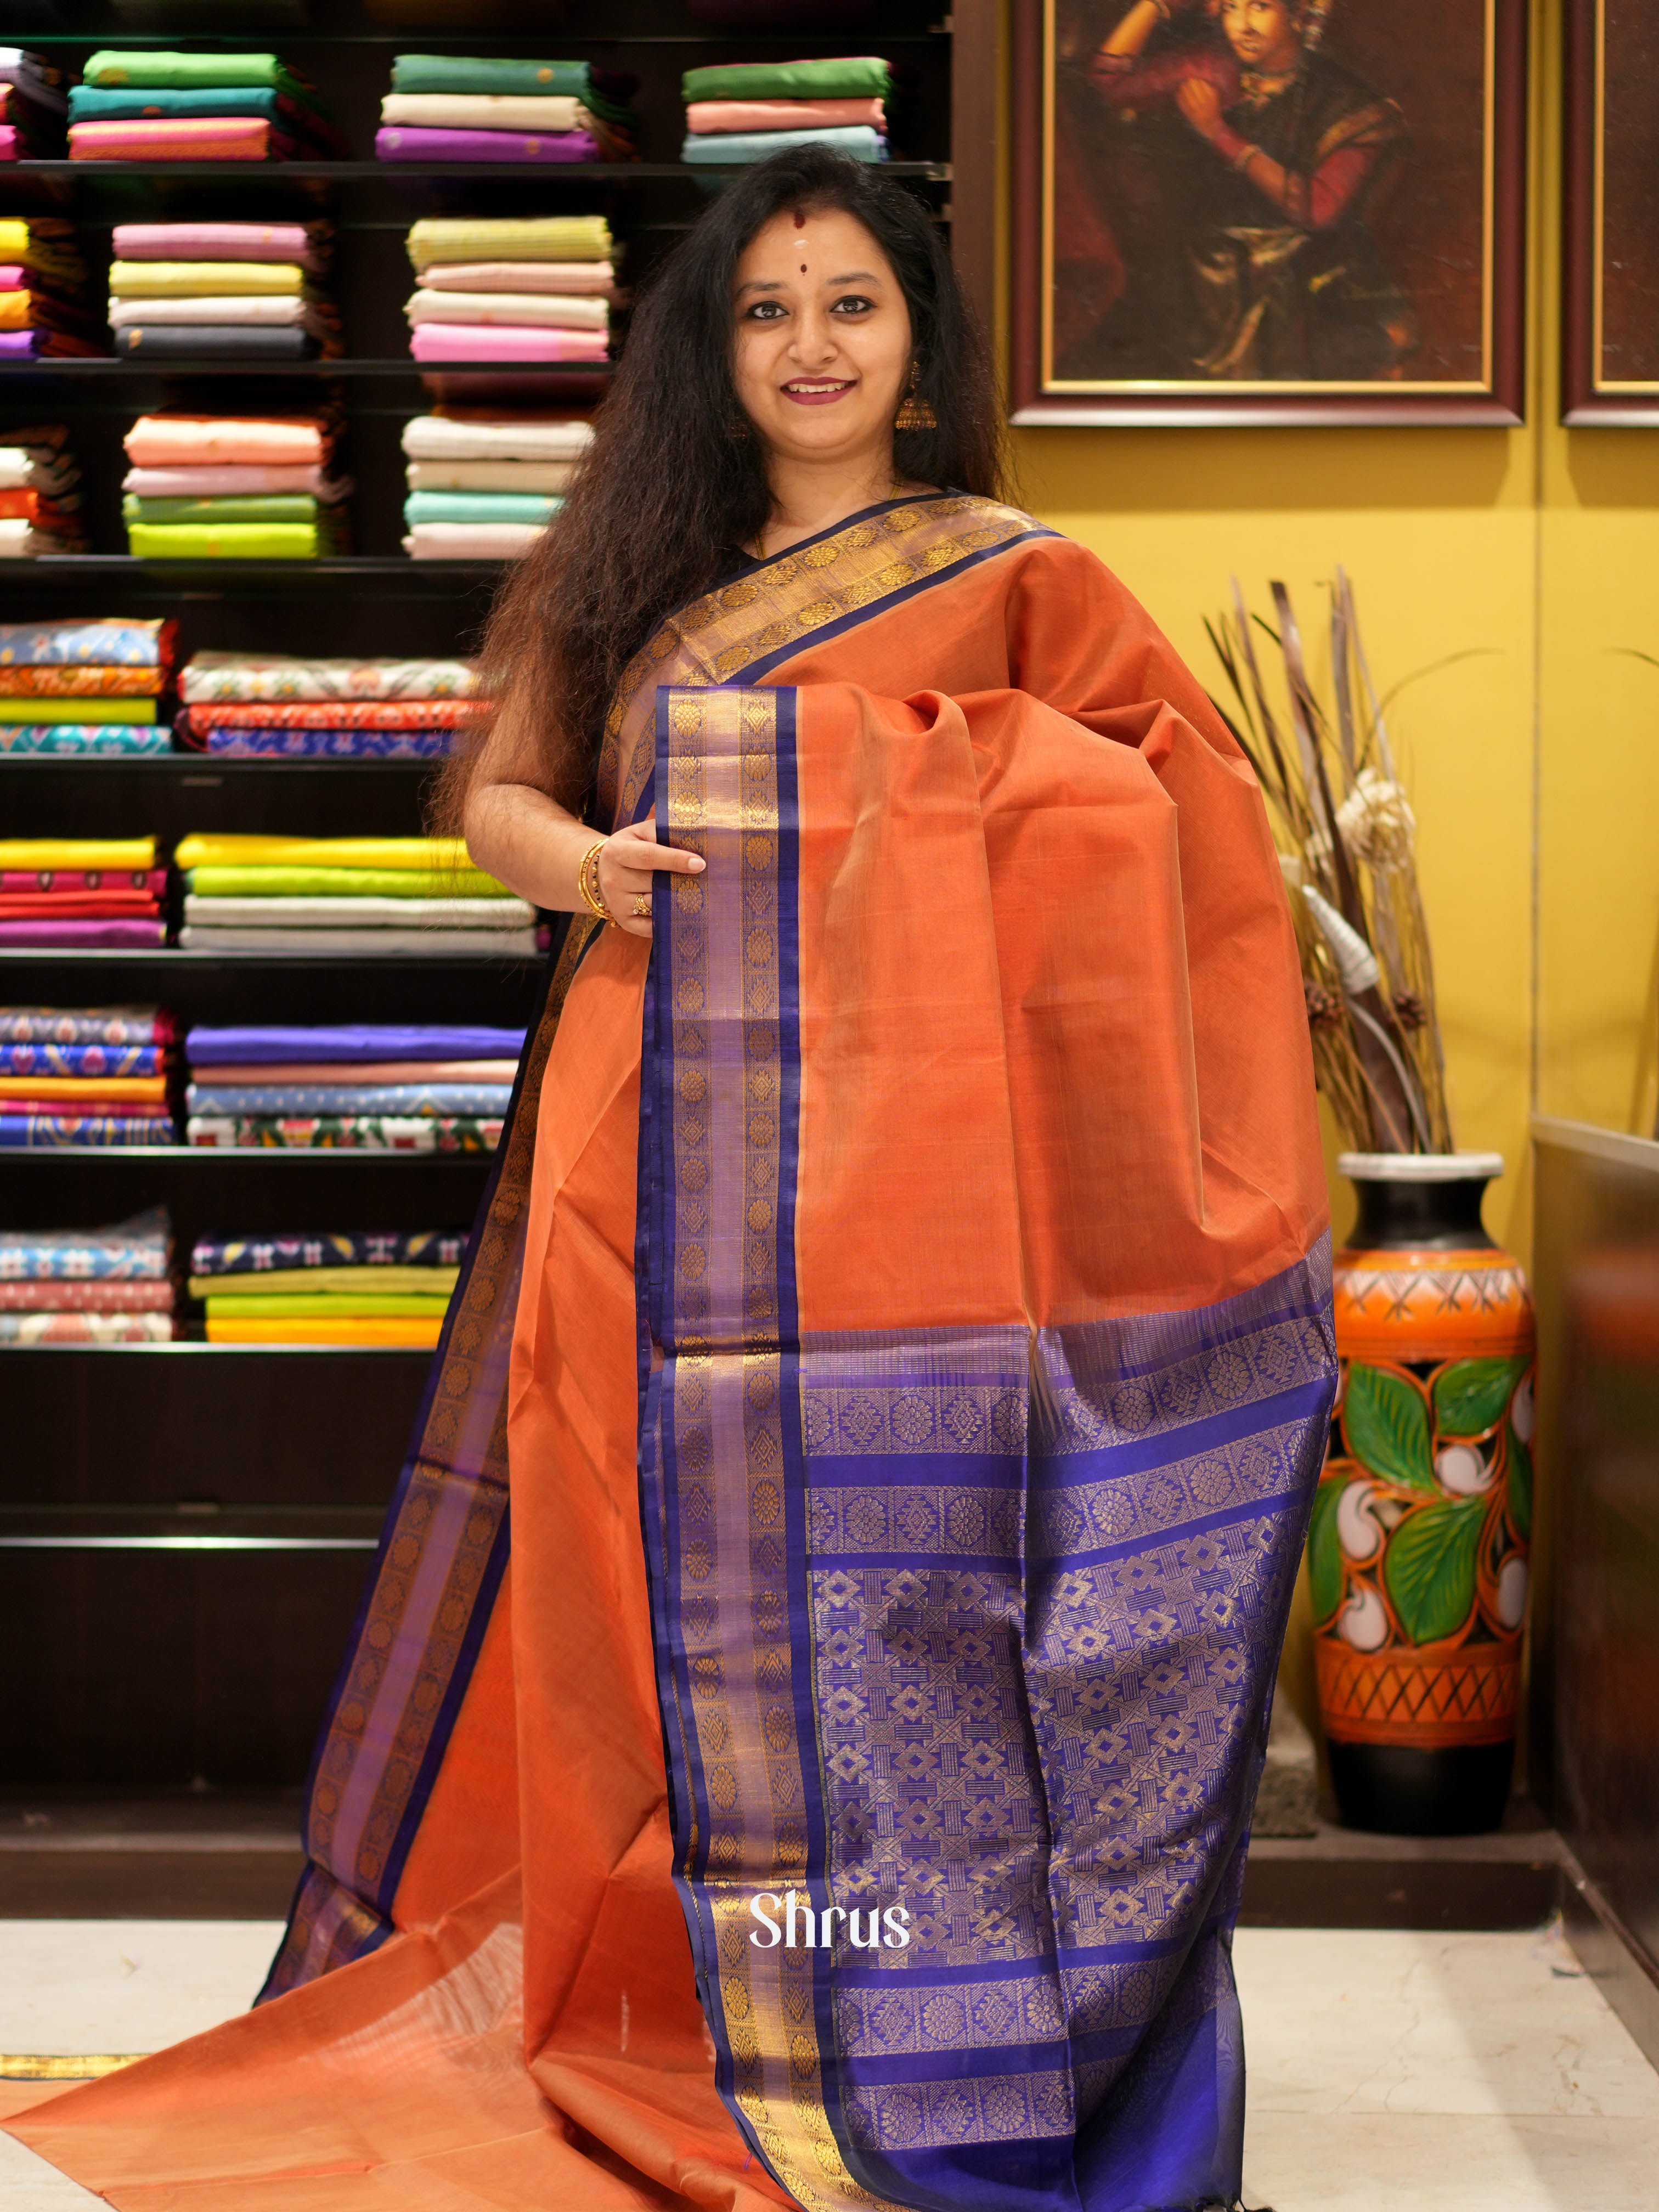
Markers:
(910, 1375)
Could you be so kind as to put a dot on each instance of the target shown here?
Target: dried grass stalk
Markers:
(1346, 839)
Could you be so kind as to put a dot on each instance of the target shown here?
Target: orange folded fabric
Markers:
(163, 442)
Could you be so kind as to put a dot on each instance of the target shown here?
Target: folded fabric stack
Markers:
(384, 1287)
(248, 704)
(463, 107)
(158, 107)
(482, 486)
(84, 687)
(187, 493)
(420, 1088)
(40, 494)
(89, 1286)
(73, 892)
(94, 1077)
(741, 112)
(511, 289)
(44, 305)
(31, 105)
(239, 291)
(370, 897)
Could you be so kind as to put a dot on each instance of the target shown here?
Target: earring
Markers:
(914, 414)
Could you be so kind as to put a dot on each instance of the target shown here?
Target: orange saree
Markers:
(899, 1325)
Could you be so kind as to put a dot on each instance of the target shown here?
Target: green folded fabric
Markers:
(858, 77)
(223, 541)
(341, 1305)
(252, 881)
(327, 1282)
(123, 103)
(36, 711)
(161, 71)
(480, 507)
(486, 73)
(232, 507)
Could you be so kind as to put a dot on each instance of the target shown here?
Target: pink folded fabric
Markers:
(224, 482)
(89, 1296)
(13, 278)
(181, 139)
(418, 143)
(504, 341)
(76, 933)
(213, 241)
(9, 149)
(332, 1072)
(520, 276)
(161, 441)
(708, 115)
(471, 541)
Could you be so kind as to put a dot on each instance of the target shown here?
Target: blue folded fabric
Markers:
(859, 140)
(50, 1129)
(480, 507)
(94, 103)
(303, 1098)
(347, 1042)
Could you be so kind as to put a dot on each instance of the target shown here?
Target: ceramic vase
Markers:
(1418, 1548)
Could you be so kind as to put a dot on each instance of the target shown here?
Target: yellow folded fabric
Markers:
(268, 1282)
(15, 240)
(343, 1305)
(408, 1335)
(118, 852)
(83, 1086)
(230, 850)
(204, 279)
(15, 311)
(509, 238)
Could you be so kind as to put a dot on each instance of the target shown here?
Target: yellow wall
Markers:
(1534, 768)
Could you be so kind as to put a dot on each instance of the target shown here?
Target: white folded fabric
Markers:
(241, 313)
(227, 480)
(21, 541)
(568, 276)
(324, 912)
(489, 476)
(563, 310)
(471, 541)
(487, 111)
(366, 944)
(485, 438)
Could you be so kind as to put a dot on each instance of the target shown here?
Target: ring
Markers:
(642, 906)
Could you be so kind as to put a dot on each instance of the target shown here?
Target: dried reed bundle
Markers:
(1346, 839)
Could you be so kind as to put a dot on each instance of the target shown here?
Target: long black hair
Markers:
(676, 476)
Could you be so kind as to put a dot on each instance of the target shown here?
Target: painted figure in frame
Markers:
(1235, 166)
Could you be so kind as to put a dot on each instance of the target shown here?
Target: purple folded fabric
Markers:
(407, 143)
(15, 345)
(504, 341)
(270, 1046)
(74, 935)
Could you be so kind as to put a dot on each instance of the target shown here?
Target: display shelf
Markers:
(105, 365)
(537, 174)
(185, 1609)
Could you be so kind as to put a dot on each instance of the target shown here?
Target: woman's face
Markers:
(1264, 33)
(821, 353)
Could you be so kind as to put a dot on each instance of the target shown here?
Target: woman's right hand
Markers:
(629, 865)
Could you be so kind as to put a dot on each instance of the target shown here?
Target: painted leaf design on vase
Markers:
(1385, 1421)
(1430, 1566)
(1470, 1395)
(1520, 1487)
(1324, 1552)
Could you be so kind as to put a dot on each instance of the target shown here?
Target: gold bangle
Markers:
(592, 896)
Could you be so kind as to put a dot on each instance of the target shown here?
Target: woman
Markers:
(1260, 265)
(901, 1308)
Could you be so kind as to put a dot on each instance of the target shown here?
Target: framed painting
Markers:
(1291, 212)
(1610, 322)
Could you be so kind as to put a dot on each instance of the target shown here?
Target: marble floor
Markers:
(1388, 2073)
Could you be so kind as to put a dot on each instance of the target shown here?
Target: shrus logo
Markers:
(802, 1928)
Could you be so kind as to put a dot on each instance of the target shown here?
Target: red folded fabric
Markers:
(328, 715)
(76, 906)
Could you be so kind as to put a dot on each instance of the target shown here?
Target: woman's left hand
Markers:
(1200, 103)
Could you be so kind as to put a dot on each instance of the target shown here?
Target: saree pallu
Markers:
(901, 1314)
